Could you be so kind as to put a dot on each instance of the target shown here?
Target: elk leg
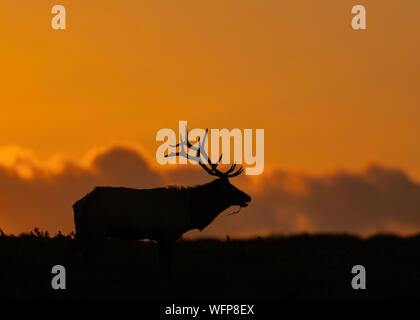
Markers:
(165, 258)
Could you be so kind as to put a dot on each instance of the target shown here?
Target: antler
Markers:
(213, 171)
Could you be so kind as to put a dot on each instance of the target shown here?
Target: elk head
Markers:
(227, 191)
(222, 188)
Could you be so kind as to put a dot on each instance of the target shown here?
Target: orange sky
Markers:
(327, 96)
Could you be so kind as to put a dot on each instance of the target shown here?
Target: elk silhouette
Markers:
(161, 214)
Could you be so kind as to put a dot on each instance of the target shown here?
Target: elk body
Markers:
(161, 214)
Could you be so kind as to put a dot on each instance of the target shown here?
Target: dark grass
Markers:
(295, 267)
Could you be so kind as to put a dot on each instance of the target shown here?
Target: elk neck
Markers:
(206, 203)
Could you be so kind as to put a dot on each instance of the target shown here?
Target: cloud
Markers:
(376, 200)
(35, 194)
(32, 194)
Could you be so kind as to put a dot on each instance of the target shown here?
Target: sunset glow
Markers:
(340, 108)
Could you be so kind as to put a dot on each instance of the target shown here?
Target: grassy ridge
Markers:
(296, 267)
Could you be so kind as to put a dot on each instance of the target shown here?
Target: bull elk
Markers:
(161, 214)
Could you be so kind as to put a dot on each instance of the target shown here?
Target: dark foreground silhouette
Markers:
(159, 214)
(296, 267)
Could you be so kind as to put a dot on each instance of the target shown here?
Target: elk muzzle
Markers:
(245, 201)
